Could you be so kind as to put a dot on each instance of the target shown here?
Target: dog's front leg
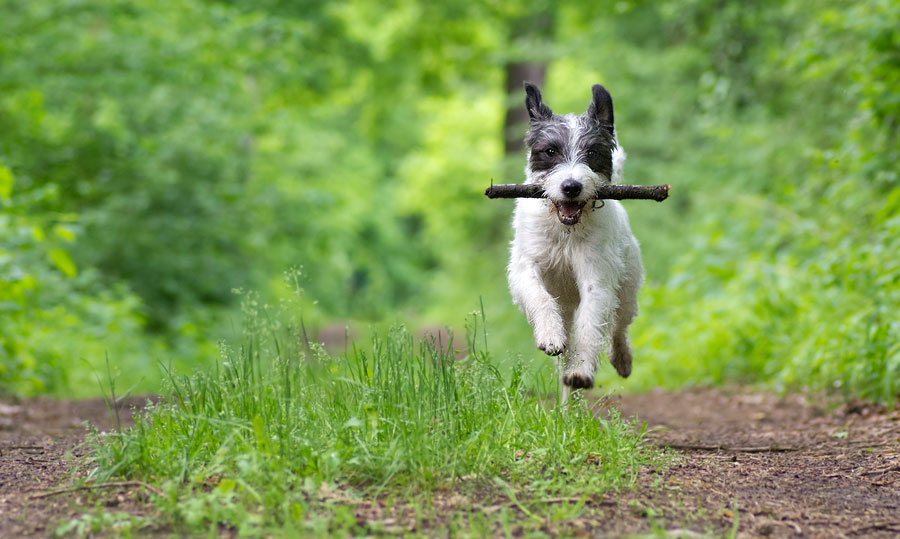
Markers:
(539, 306)
(593, 325)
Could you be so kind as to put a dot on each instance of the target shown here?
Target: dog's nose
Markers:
(571, 188)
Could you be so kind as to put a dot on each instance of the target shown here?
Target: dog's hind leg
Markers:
(620, 352)
(620, 347)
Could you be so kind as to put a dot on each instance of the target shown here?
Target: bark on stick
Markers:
(610, 192)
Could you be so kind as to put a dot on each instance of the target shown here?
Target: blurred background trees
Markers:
(155, 156)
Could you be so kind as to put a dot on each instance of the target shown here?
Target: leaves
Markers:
(156, 155)
(63, 262)
(6, 183)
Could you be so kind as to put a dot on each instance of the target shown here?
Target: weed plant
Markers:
(283, 435)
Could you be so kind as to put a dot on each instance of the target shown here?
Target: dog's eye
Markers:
(591, 153)
(550, 152)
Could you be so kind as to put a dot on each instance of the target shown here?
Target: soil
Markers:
(782, 466)
(746, 461)
(41, 442)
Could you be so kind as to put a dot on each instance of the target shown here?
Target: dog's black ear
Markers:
(601, 107)
(537, 110)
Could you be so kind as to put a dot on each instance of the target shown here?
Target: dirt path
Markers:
(772, 466)
(778, 466)
(38, 439)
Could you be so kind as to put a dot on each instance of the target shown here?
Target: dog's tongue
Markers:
(569, 210)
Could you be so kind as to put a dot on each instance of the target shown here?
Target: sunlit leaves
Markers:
(6, 183)
(63, 262)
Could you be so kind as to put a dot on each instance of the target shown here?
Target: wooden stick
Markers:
(612, 192)
(757, 449)
(93, 486)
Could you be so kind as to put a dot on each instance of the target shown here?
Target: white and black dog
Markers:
(574, 269)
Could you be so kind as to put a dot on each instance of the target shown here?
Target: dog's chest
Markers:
(558, 259)
(559, 248)
(567, 255)
(560, 280)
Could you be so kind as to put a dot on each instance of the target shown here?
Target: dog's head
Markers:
(571, 156)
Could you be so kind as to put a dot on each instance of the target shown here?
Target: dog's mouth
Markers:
(569, 212)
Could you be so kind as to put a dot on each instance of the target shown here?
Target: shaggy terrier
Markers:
(575, 267)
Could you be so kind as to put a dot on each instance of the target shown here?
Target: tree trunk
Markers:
(529, 40)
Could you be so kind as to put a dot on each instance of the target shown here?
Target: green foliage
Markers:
(250, 446)
(790, 274)
(101, 520)
(147, 150)
(189, 138)
(197, 146)
(58, 322)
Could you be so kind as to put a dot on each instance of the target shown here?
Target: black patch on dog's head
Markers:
(555, 140)
(548, 141)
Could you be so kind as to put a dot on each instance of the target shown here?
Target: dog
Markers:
(575, 267)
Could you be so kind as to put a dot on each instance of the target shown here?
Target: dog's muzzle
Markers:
(569, 211)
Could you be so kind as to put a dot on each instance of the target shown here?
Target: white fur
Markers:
(577, 284)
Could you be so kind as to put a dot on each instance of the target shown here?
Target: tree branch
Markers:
(611, 192)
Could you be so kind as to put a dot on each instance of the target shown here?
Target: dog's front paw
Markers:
(578, 381)
(551, 346)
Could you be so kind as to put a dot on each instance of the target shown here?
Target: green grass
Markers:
(281, 436)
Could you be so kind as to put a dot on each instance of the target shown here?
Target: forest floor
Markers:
(747, 462)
